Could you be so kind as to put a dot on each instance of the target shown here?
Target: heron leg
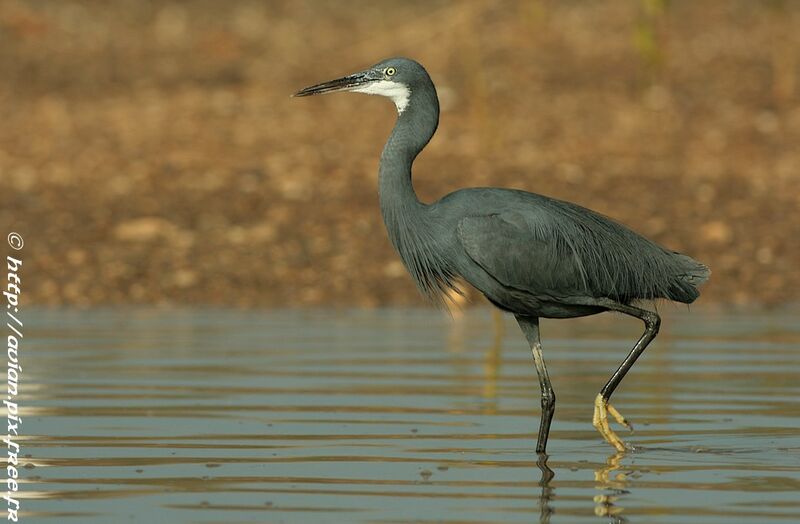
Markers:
(530, 327)
(602, 408)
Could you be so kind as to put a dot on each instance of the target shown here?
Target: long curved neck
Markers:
(410, 229)
(414, 128)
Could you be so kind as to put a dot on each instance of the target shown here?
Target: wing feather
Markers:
(560, 249)
(519, 256)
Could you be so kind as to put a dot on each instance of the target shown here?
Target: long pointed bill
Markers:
(347, 83)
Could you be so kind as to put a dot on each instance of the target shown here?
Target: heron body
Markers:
(531, 255)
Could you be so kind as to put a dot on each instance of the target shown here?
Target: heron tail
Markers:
(685, 287)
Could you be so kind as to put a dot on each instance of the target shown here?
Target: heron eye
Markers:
(390, 71)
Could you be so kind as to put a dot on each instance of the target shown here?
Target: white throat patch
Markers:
(399, 93)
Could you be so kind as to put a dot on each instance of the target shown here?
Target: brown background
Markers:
(150, 153)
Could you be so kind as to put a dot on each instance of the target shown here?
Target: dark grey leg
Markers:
(530, 327)
(652, 322)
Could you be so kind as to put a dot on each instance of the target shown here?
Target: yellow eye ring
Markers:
(390, 71)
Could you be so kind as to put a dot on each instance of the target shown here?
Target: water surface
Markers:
(209, 416)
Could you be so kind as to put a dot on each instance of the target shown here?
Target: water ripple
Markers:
(403, 415)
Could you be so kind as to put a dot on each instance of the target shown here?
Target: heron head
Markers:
(394, 78)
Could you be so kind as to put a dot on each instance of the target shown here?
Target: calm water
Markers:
(210, 416)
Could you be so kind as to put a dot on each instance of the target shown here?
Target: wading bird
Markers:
(530, 255)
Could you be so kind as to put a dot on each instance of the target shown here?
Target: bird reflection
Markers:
(492, 356)
(613, 484)
(492, 360)
(548, 492)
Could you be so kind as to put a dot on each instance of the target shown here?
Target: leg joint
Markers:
(652, 322)
(548, 397)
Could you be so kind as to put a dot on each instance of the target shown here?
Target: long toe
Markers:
(600, 422)
(618, 416)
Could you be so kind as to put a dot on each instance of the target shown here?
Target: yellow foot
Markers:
(618, 417)
(600, 421)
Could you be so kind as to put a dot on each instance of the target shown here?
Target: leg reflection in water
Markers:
(548, 492)
(613, 484)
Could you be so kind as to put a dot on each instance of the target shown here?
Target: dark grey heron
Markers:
(529, 254)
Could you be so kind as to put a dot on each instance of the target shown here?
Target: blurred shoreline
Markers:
(150, 153)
